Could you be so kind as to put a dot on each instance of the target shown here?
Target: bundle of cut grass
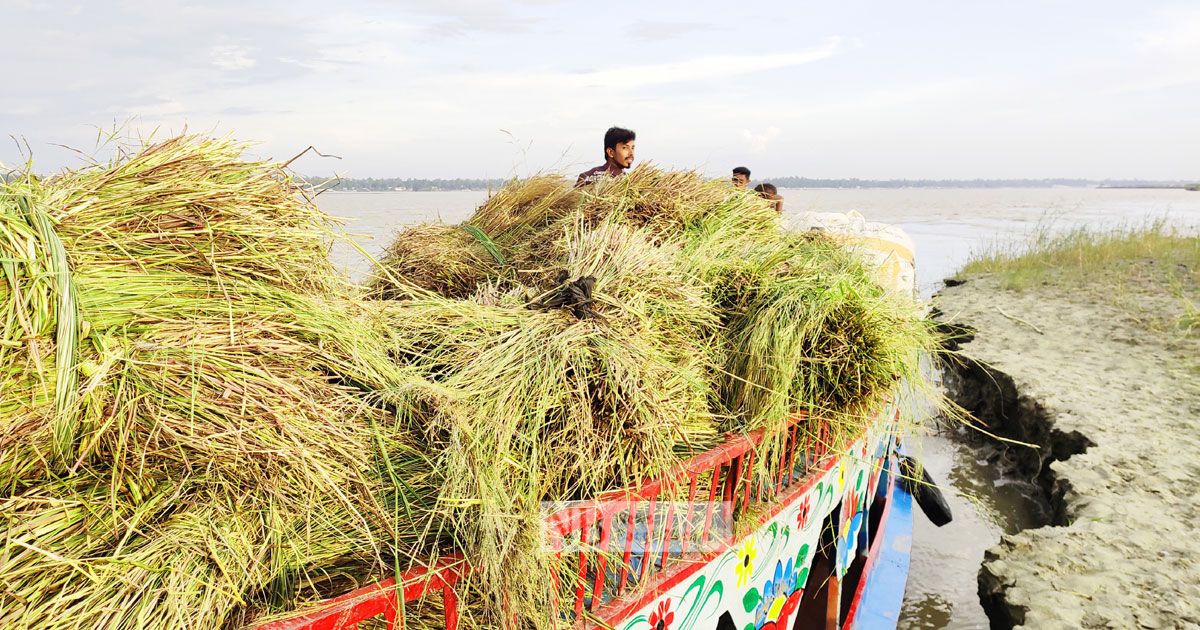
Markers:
(446, 259)
(801, 324)
(556, 407)
(195, 415)
(523, 207)
(812, 331)
(667, 203)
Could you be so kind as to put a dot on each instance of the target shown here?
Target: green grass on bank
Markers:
(1125, 265)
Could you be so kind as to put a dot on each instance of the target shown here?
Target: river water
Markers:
(947, 225)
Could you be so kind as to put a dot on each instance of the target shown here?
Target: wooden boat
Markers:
(823, 545)
(827, 547)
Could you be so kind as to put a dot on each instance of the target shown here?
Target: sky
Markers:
(878, 90)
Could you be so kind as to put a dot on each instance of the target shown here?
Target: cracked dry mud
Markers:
(1115, 410)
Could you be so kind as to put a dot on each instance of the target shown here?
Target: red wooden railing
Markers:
(345, 612)
(594, 588)
(727, 471)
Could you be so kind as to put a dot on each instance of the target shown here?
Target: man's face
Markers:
(622, 154)
(741, 181)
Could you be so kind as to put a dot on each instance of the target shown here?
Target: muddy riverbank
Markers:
(1109, 399)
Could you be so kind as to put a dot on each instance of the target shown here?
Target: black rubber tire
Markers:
(920, 484)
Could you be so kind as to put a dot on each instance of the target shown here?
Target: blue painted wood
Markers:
(884, 592)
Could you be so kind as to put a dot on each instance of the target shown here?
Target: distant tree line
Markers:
(372, 184)
(807, 182)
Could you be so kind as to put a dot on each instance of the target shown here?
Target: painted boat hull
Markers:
(827, 549)
(771, 578)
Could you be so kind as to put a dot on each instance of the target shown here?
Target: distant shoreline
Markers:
(339, 190)
(1149, 187)
(396, 184)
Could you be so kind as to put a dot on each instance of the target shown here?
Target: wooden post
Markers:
(833, 605)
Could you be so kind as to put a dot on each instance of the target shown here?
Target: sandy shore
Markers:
(1115, 409)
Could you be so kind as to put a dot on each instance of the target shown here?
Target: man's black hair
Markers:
(742, 170)
(769, 189)
(618, 135)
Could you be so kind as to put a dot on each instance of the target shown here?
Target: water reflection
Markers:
(928, 611)
(942, 588)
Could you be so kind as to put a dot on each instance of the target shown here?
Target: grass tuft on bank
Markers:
(1123, 265)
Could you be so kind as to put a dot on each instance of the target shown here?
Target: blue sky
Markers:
(917, 89)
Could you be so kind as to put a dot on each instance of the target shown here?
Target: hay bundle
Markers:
(180, 354)
(811, 330)
(666, 202)
(202, 422)
(523, 207)
(798, 324)
(555, 407)
(446, 259)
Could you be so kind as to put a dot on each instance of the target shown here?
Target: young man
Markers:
(770, 193)
(741, 177)
(618, 156)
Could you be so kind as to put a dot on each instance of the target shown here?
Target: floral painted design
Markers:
(803, 512)
(662, 617)
(851, 522)
(775, 592)
(745, 565)
(785, 613)
(802, 564)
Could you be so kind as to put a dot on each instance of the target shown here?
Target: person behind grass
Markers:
(741, 177)
(771, 193)
(618, 156)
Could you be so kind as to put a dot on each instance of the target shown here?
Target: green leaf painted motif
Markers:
(718, 591)
(701, 603)
(635, 622)
(751, 599)
(693, 591)
(825, 492)
(802, 556)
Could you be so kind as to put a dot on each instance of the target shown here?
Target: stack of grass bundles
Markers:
(557, 406)
(702, 313)
(709, 316)
(185, 433)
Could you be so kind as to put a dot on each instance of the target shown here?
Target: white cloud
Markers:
(707, 68)
(1180, 36)
(652, 30)
(232, 57)
(759, 140)
(1170, 48)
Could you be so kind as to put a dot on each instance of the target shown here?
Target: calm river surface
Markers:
(947, 225)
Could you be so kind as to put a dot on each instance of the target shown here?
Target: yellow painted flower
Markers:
(745, 565)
